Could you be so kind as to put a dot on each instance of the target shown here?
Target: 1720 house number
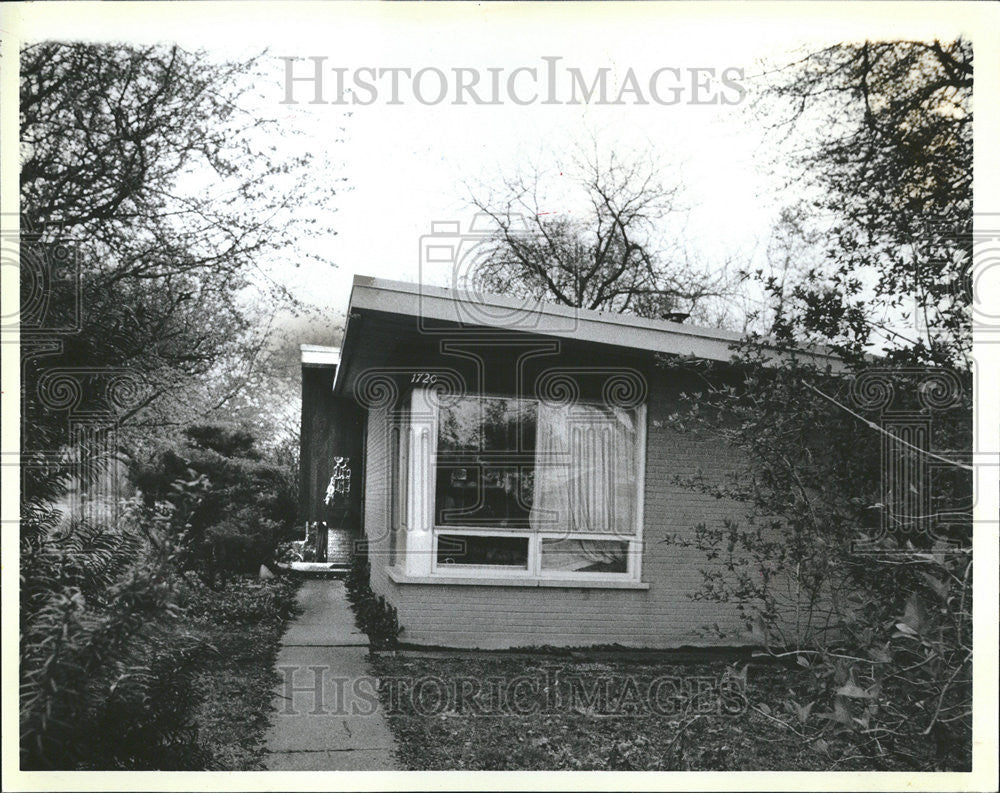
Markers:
(423, 378)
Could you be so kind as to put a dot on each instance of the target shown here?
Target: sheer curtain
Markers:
(585, 481)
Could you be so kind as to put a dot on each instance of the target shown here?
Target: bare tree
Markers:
(609, 255)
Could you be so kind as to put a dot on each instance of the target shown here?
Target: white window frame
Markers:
(490, 571)
(399, 477)
(633, 557)
(419, 561)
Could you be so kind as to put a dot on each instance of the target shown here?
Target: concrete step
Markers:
(329, 570)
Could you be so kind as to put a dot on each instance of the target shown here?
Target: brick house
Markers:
(512, 471)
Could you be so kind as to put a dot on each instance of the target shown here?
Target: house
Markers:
(512, 470)
(331, 433)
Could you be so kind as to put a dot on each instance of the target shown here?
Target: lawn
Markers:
(234, 682)
(545, 711)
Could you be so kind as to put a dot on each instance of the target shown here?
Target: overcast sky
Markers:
(406, 165)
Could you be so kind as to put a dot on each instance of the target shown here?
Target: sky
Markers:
(409, 166)
(400, 168)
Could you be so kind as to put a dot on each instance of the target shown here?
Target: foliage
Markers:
(358, 579)
(94, 600)
(306, 550)
(290, 551)
(441, 732)
(608, 257)
(108, 662)
(247, 601)
(375, 616)
(879, 613)
(854, 557)
(235, 683)
(162, 263)
(248, 504)
(147, 722)
(888, 155)
(154, 266)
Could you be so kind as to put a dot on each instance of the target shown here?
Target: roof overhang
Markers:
(472, 309)
(319, 355)
(437, 311)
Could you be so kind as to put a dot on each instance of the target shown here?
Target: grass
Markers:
(569, 713)
(234, 683)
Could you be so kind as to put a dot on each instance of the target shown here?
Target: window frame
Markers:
(423, 526)
(399, 485)
(490, 571)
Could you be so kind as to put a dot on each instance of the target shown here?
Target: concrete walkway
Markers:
(326, 715)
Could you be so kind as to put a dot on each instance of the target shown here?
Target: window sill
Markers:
(561, 583)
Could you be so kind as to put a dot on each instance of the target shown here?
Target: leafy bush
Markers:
(289, 551)
(146, 720)
(374, 615)
(106, 663)
(358, 579)
(248, 505)
(378, 619)
(106, 671)
(94, 600)
(873, 605)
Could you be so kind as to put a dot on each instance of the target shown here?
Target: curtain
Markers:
(585, 477)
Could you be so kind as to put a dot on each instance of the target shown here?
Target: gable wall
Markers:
(331, 426)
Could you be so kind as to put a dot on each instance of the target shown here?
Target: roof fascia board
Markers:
(502, 313)
(496, 311)
(319, 355)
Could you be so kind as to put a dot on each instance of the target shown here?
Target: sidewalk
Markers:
(326, 712)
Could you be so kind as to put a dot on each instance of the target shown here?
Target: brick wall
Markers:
(662, 616)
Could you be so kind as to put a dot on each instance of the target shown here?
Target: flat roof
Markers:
(319, 355)
(486, 310)
(439, 310)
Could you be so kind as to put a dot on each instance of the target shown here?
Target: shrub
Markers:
(378, 619)
(248, 505)
(244, 601)
(871, 601)
(358, 579)
(98, 686)
(374, 615)
(289, 551)
(145, 722)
